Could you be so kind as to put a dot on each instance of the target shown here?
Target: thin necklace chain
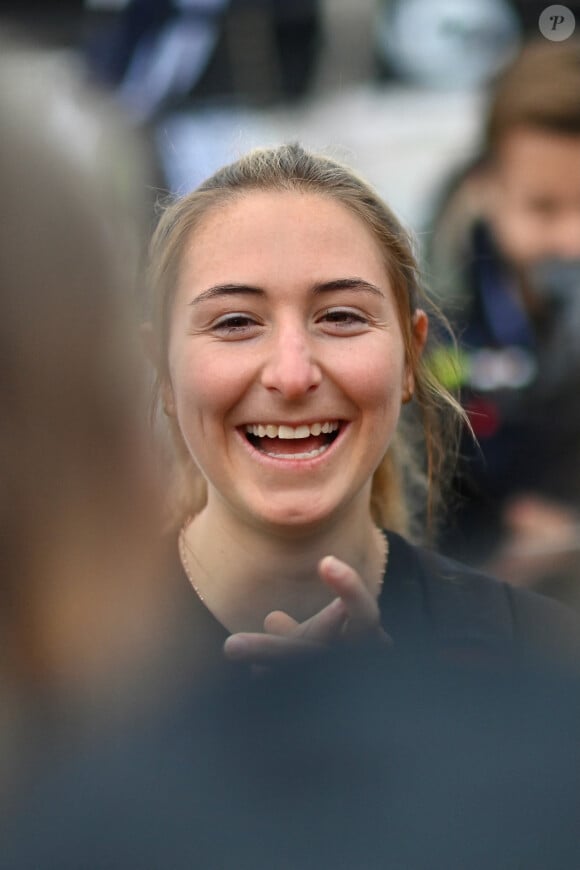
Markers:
(385, 559)
(184, 547)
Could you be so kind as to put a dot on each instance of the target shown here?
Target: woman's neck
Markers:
(243, 572)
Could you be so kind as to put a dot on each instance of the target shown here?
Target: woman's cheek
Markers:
(208, 382)
(378, 377)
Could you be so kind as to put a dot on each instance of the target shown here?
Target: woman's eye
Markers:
(344, 318)
(234, 324)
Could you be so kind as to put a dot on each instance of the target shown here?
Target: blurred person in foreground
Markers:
(82, 612)
(504, 259)
(353, 761)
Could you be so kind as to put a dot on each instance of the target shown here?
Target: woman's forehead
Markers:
(262, 231)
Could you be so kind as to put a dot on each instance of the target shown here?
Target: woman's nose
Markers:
(291, 368)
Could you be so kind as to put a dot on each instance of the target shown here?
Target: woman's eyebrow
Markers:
(321, 287)
(348, 284)
(227, 290)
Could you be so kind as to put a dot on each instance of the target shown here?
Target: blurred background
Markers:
(394, 87)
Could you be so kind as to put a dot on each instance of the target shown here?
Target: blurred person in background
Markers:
(83, 615)
(504, 259)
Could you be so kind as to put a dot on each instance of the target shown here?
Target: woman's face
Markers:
(286, 357)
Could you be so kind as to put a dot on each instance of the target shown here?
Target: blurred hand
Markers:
(542, 538)
(352, 617)
(546, 522)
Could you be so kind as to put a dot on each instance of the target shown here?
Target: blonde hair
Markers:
(405, 484)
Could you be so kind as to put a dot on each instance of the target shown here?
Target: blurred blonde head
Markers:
(77, 498)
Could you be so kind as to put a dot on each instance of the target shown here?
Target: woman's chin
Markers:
(294, 517)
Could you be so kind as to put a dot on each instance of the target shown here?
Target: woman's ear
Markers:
(420, 328)
(419, 333)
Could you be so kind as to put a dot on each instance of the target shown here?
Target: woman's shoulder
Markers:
(465, 607)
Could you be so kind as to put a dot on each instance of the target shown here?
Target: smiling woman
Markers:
(288, 324)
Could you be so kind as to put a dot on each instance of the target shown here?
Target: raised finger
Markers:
(360, 605)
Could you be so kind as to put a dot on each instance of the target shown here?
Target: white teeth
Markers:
(309, 455)
(288, 432)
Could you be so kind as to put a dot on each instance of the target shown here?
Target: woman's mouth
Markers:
(306, 441)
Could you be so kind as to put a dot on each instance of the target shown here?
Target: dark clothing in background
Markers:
(518, 371)
(528, 423)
